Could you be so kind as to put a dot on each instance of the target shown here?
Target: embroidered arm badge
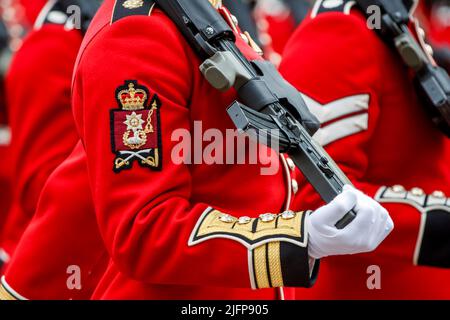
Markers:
(135, 128)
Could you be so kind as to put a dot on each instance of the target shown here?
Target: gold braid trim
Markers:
(276, 276)
(5, 295)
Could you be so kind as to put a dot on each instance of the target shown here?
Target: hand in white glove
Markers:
(364, 234)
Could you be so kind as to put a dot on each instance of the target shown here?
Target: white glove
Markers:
(364, 234)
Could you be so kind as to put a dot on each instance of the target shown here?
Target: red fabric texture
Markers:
(146, 217)
(62, 235)
(32, 9)
(42, 127)
(335, 56)
(5, 173)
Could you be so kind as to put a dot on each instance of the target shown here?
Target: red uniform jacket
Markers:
(43, 133)
(32, 9)
(5, 173)
(171, 228)
(375, 128)
(60, 255)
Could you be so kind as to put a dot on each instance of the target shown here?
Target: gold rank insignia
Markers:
(135, 128)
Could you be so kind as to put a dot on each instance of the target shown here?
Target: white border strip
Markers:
(43, 14)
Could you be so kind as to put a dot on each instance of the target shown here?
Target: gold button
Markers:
(253, 44)
(294, 186)
(267, 217)
(226, 218)
(421, 32)
(290, 163)
(417, 192)
(398, 188)
(245, 38)
(288, 215)
(235, 20)
(438, 194)
(244, 220)
(133, 4)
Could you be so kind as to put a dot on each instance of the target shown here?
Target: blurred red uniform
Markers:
(376, 130)
(275, 25)
(63, 235)
(5, 174)
(43, 134)
(60, 255)
(32, 9)
(276, 21)
(137, 83)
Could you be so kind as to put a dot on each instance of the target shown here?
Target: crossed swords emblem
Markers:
(120, 162)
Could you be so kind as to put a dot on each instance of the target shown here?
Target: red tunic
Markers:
(275, 26)
(375, 129)
(5, 173)
(32, 9)
(40, 117)
(63, 235)
(163, 223)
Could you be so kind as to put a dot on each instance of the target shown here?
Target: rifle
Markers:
(431, 81)
(268, 104)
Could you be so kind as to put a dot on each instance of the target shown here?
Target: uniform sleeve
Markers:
(153, 229)
(41, 120)
(340, 67)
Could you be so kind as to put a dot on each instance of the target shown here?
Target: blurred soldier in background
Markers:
(63, 234)
(376, 128)
(13, 26)
(38, 87)
(269, 22)
(276, 21)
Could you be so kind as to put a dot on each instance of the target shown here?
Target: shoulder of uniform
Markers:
(126, 8)
(324, 6)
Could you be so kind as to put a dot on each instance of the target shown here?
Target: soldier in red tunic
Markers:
(176, 230)
(374, 126)
(63, 235)
(60, 255)
(5, 136)
(43, 133)
(172, 229)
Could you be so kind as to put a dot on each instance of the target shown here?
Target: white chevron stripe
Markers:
(338, 108)
(342, 128)
(43, 14)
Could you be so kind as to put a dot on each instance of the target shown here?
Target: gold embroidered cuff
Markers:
(277, 244)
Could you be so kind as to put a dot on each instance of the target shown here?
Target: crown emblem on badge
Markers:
(132, 98)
